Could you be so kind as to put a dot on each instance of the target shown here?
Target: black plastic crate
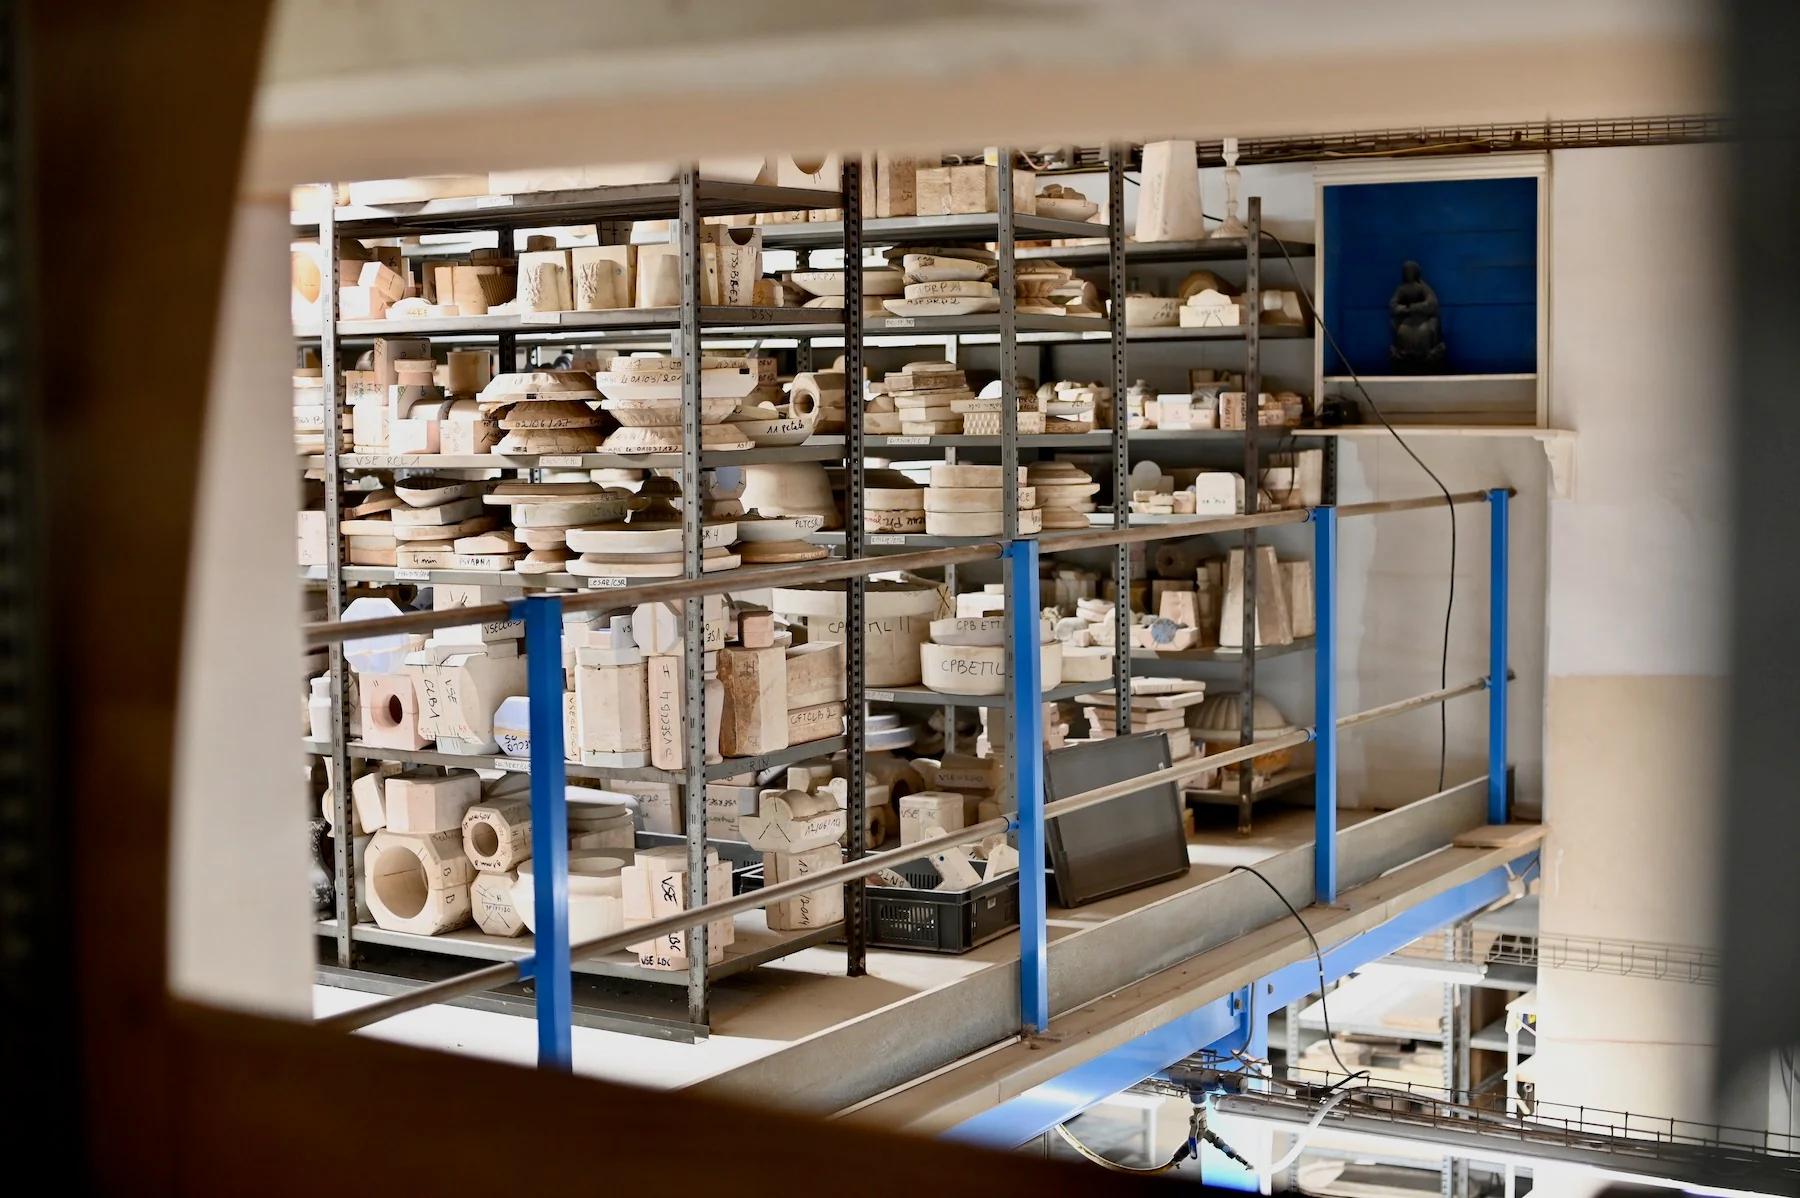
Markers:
(919, 917)
(941, 921)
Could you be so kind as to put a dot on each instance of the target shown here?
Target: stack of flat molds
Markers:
(945, 282)
(543, 513)
(968, 501)
(368, 529)
(776, 540)
(647, 543)
(892, 502)
(930, 398)
(433, 515)
(880, 417)
(966, 655)
(1157, 705)
(543, 411)
(827, 287)
(309, 413)
(1035, 283)
(982, 415)
(1065, 493)
(1070, 407)
(643, 393)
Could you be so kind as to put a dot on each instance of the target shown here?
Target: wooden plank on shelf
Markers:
(1500, 836)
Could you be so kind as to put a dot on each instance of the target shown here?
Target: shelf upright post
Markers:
(1005, 236)
(855, 622)
(1004, 245)
(1121, 428)
(343, 845)
(506, 344)
(1252, 486)
(1325, 705)
(1027, 772)
(693, 638)
(952, 354)
(1498, 521)
(551, 974)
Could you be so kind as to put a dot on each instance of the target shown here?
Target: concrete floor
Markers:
(760, 1012)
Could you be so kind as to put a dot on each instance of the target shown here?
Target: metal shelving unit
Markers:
(819, 449)
(1007, 329)
(677, 330)
(680, 330)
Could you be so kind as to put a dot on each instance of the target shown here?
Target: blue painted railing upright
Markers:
(1498, 510)
(1028, 774)
(549, 831)
(1325, 704)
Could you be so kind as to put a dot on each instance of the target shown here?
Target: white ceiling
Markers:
(360, 88)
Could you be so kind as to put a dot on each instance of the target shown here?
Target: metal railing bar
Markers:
(834, 570)
(837, 569)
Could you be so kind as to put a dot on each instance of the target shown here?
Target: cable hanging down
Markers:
(1449, 504)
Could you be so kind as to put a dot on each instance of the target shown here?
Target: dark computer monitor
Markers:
(1110, 848)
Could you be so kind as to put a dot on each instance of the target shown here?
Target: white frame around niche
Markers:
(1400, 170)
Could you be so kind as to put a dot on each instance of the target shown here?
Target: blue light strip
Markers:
(1498, 507)
(549, 832)
(1027, 747)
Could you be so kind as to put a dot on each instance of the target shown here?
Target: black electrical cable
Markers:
(1449, 504)
(1318, 959)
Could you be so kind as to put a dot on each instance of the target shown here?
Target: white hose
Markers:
(1306, 1133)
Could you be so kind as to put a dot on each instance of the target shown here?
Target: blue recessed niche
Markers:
(1475, 241)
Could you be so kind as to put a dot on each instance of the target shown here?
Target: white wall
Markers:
(1636, 618)
(1640, 368)
(1396, 570)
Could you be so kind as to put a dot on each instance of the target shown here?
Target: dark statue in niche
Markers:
(1413, 311)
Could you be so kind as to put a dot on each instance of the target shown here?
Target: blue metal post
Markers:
(1027, 745)
(549, 830)
(1325, 705)
(1497, 653)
